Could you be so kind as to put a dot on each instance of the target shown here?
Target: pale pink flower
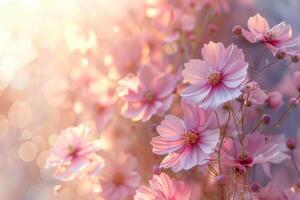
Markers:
(296, 77)
(162, 187)
(119, 178)
(274, 100)
(254, 94)
(147, 94)
(187, 142)
(217, 78)
(257, 150)
(74, 152)
(279, 37)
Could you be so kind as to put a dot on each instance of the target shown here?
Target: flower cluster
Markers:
(193, 109)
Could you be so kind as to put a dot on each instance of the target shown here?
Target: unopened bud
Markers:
(237, 30)
(255, 187)
(265, 119)
(294, 59)
(291, 143)
(156, 169)
(280, 55)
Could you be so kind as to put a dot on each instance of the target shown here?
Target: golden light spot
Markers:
(27, 151)
(21, 114)
(108, 59)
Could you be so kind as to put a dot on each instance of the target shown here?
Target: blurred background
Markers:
(46, 46)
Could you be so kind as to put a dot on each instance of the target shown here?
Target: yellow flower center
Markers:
(214, 78)
(191, 137)
(149, 96)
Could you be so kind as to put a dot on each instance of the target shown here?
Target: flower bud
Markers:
(265, 119)
(255, 187)
(280, 54)
(237, 30)
(294, 59)
(274, 99)
(291, 143)
(156, 169)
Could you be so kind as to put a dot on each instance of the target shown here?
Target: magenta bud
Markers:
(237, 30)
(265, 119)
(255, 187)
(156, 169)
(291, 143)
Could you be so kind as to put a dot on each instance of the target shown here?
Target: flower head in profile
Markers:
(73, 153)
(217, 78)
(119, 178)
(257, 150)
(187, 142)
(147, 94)
(162, 187)
(254, 94)
(279, 37)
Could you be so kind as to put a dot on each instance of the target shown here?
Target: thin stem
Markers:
(294, 162)
(256, 127)
(260, 57)
(284, 114)
(268, 65)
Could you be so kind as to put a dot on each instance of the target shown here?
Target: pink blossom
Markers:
(147, 94)
(162, 187)
(119, 178)
(254, 94)
(73, 152)
(257, 150)
(215, 79)
(187, 142)
(279, 37)
(274, 100)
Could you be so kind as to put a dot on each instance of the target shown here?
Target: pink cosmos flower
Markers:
(147, 94)
(119, 179)
(162, 187)
(257, 150)
(254, 94)
(215, 79)
(279, 37)
(73, 153)
(187, 142)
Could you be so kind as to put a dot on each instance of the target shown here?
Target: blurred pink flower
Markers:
(119, 178)
(73, 152)
(254, 93)
(187, 142)
(279, 37)
(162, 187)
(147, 94)
(296, 77)
(274, 100)
(215, 79)
(257, 150)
